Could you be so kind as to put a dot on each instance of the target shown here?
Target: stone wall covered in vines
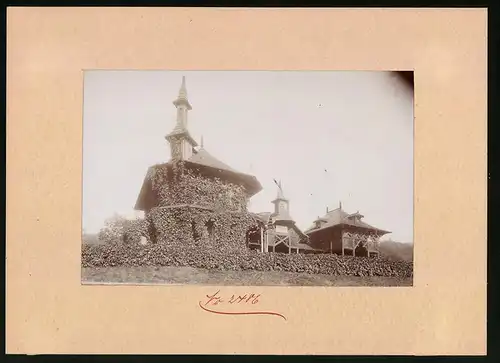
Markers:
(190, 226)
(194, 210)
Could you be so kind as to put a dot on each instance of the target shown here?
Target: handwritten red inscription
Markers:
(247, 300)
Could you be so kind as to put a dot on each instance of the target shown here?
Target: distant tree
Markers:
(120, 229)
(113, 229)
(396, 250)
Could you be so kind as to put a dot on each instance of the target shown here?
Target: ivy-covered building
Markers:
(194, 198)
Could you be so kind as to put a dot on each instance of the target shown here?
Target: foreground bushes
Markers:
(117, 254)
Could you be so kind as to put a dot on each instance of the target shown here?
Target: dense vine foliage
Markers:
(168, 255)
(194, 210)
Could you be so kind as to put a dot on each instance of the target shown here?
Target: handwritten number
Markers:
(215, 300)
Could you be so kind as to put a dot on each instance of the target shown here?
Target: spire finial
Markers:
(201, 141)
(327, 209)
(183, 90)
(340, 204)
(182, 98)
(280, 194)
(280, 189)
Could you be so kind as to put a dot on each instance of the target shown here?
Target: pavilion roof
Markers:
(338, 217)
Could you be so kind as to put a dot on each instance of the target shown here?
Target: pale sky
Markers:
(329, 136)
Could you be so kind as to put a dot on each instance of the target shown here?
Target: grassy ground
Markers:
(192, 276)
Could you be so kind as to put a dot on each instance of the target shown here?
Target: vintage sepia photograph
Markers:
(289, 178)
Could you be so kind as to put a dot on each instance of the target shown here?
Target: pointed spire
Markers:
(340, 204)
(201, 141)
(326, 209)
(183, 90)
(182, 98)
(180, 132)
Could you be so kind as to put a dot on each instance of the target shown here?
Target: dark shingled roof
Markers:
(338, 217)
(202, 157)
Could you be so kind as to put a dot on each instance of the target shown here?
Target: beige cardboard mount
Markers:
(49, 311)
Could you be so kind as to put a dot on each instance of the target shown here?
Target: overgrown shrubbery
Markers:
(118, 254)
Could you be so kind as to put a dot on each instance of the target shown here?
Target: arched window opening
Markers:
(210, 230)
(196, 234)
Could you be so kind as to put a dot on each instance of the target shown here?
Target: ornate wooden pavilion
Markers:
(344, 234)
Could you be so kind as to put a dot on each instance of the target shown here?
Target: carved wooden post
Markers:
(261, 240)
(342, 240)
(266, 241)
